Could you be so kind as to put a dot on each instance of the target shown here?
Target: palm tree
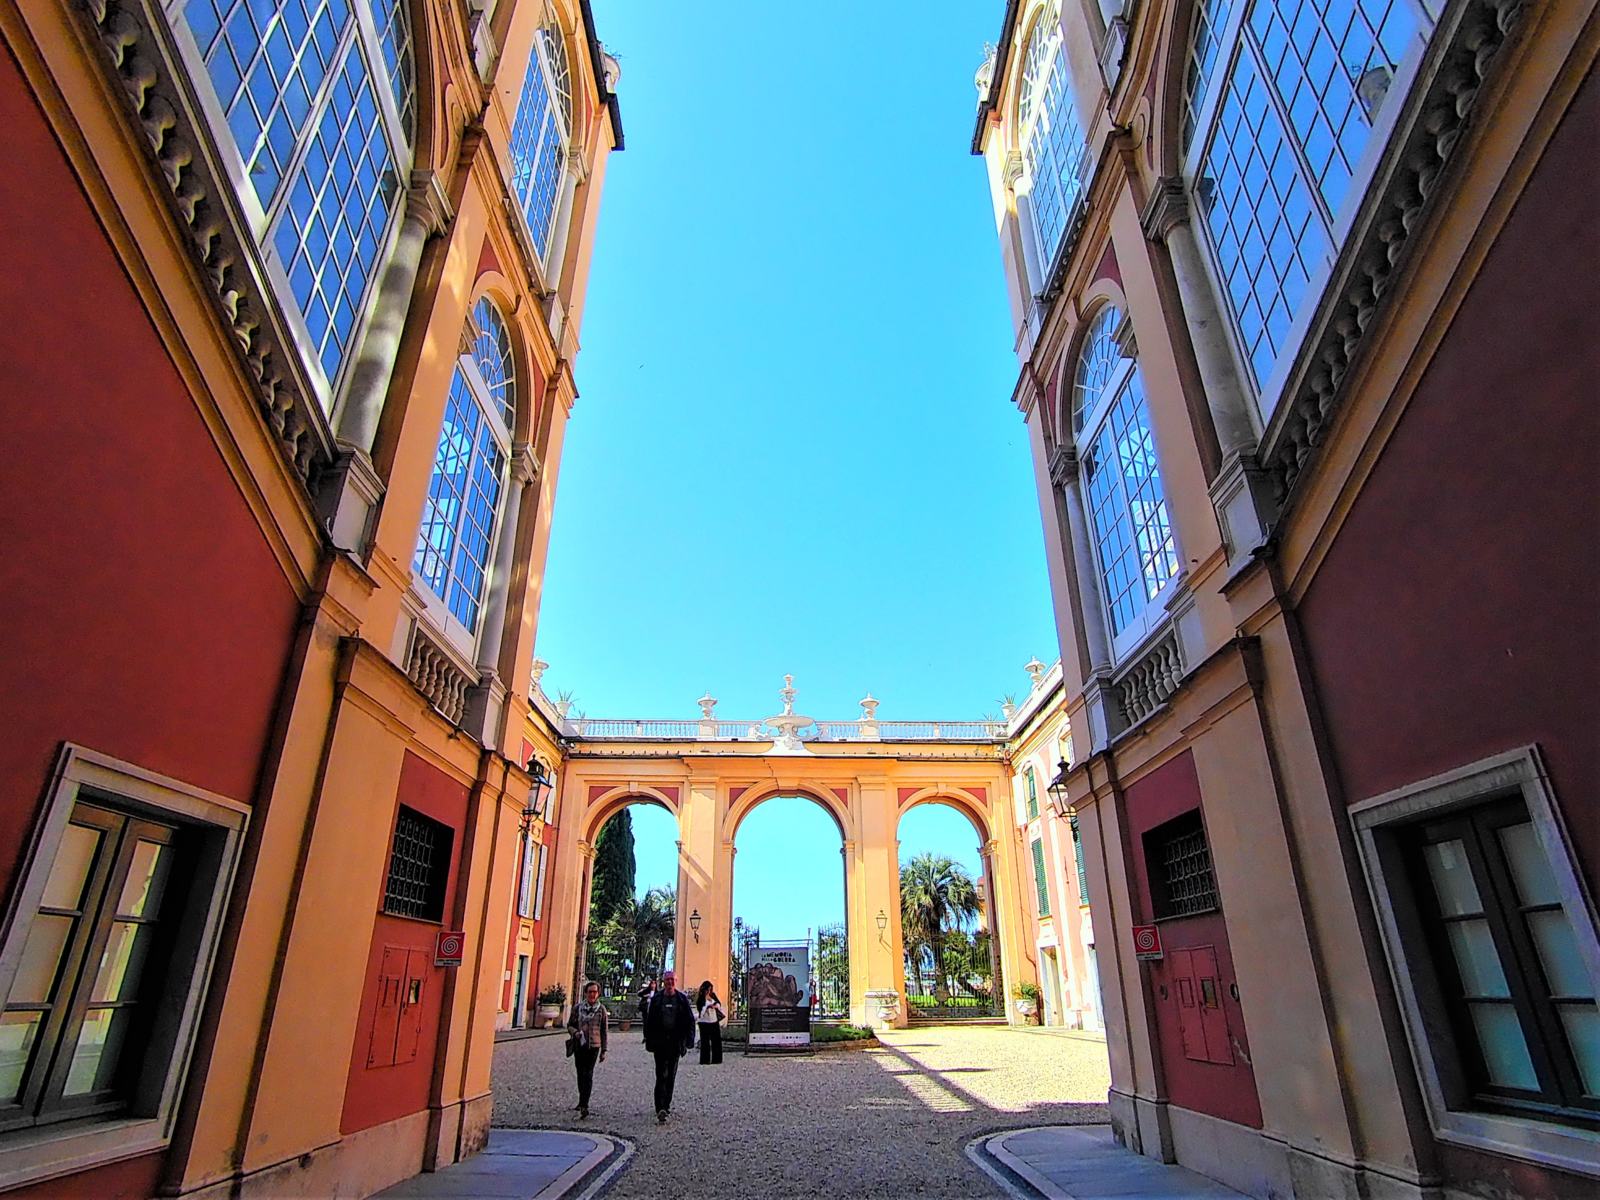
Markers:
(936, 895)
(647, 924)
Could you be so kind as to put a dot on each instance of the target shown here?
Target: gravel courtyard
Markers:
(891, 1121)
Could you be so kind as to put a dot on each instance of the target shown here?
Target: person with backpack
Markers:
(668, 1034)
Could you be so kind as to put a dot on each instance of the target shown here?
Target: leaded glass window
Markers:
(539, 138)
(1055, 152)
(1123, 493)
(461, 515)
(491, 352)
(1280, 100)
(323, 146)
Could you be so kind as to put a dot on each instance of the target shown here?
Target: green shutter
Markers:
(1038, 877)
(1077, 854)
(1033, 797)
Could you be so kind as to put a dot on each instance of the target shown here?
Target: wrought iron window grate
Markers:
(419, 864)
(1186, 868)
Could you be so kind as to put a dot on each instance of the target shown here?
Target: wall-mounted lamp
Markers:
(1057, 788)
(883, 923)
(538, 794)
(694, 924)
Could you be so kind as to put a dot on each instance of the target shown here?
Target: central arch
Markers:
(830, 988)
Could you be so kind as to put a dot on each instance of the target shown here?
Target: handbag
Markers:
(572, 1043)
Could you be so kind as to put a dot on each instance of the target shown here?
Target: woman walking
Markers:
(709, 1015)
(586, 1041)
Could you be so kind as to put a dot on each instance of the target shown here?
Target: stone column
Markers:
(588, 853)
(486, 699)
(992, 919)
(352, 491)
(705, 885)
(1239, 492)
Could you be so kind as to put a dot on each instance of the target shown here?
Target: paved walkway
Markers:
(1085, 1163)
(523, 1164)
(887, 1122)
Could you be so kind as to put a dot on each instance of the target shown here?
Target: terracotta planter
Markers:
(547, 1015)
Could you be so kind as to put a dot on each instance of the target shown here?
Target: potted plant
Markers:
(1027, 995)
(551, 1001)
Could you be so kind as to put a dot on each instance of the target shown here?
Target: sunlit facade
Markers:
(311, 274)
(1312, 621)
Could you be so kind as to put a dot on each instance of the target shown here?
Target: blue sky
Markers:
(794, 449)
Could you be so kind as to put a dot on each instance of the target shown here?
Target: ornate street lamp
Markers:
(883, 923)
(538, 793)
(1057, 788)
(694, 924)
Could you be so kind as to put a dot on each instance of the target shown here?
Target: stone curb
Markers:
(1015, 1177)
(604, 1163)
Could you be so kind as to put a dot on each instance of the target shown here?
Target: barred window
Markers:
(419, 867)
(1179, 862)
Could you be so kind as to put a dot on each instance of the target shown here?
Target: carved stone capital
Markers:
(525, 466)
(1063, 465)
(1167, 208)
(1011, 170)
(427, 202)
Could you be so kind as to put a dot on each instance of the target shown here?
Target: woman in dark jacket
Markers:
(587, 1040)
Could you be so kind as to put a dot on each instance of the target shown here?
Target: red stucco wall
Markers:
(1228, 1092)
(132, 1179)
(141, 612)
(1456, 613)
(375, 1095)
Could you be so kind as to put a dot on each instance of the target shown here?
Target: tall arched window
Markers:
(541, 136)
(462, 514)
(1280, 101)
(1054, 152)
(323, 147)
(1126, 504)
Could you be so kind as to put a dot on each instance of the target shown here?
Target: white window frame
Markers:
(47, 1151)
(1154, 613)
(539, 881)
(1044, 255)
(1270, 392)
(259, 222)
(1565, 1147)
(435, 608)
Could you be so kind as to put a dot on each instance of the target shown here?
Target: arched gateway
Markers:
(712, 774)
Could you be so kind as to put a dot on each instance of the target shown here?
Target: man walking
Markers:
(669, 1035)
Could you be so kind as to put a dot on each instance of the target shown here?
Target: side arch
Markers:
(602, 808)
(963, 801)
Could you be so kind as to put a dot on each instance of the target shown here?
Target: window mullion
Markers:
(378, 72)
(1499, 903)
(111, 870)
(303, 141)
(1526, 975)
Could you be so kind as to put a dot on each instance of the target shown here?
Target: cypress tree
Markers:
(614, 869)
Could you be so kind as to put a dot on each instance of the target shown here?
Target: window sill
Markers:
(1563, 1147)
(1204, 912)
(49, 1152)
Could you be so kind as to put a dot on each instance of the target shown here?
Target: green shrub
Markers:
(1026, 991)
(839, 1033)
(556, 993)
